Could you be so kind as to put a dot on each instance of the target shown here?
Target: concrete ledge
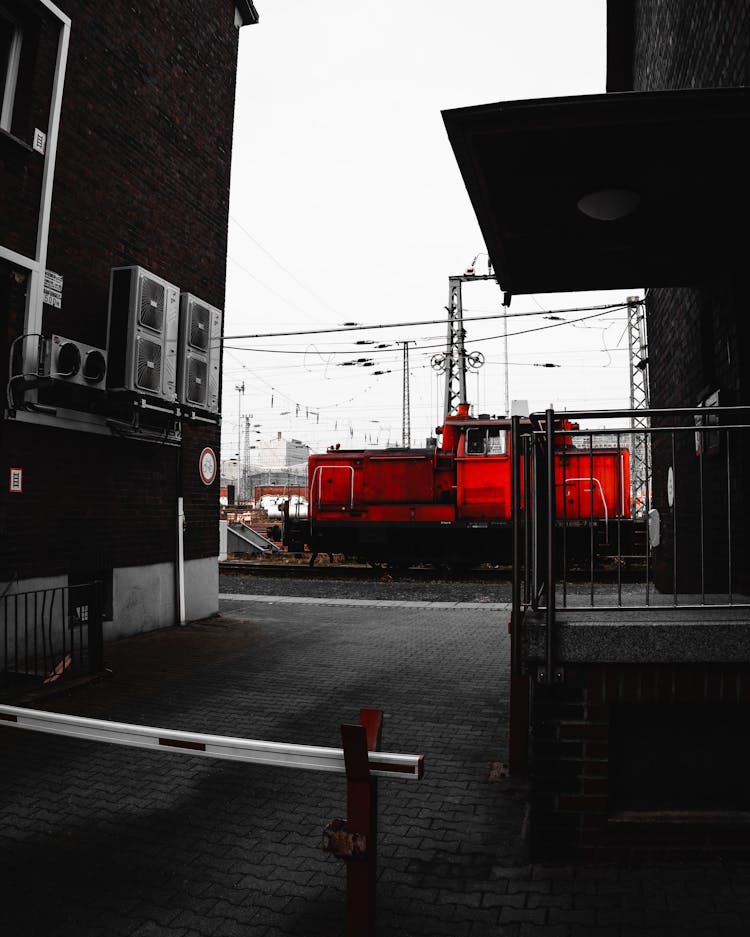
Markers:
(670, 636)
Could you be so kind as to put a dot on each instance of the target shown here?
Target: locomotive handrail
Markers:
(594, 481)
(319, 468)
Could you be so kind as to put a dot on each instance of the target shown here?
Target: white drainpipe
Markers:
(180, 571)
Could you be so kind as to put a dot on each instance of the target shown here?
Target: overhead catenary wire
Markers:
(484, 338)
(418, 323)
(323, 356)
(280, 266)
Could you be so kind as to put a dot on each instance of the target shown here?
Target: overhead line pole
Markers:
(240, 388)
(406, 404)
(639, 400)
(455, 352)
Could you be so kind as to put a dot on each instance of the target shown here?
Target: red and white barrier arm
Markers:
(308, 757)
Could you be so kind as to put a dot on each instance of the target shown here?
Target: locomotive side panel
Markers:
(334, 480)
(592, 484)
(484, 488)
(398, 478)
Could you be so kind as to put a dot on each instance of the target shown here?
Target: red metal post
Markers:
(361, 813)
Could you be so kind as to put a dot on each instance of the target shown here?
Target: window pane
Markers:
(6, 40)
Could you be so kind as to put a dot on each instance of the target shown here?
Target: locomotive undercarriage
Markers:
(466, 545)
(411, 544)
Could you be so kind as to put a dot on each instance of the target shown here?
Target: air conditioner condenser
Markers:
(74, 362)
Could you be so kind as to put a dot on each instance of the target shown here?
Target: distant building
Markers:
(280, 453)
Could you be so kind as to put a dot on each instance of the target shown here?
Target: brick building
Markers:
(632, 721)
(699, 334)
(115, 152)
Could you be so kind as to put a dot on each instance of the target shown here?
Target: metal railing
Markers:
(48, 635)
(675, 546)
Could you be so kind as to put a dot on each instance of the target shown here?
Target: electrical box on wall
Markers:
(142, 330)
(199, 355)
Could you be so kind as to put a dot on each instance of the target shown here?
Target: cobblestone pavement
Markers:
(103, 840)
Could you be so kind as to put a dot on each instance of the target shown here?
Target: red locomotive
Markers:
(449, 505)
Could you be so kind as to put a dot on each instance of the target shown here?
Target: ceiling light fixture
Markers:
(608, 204)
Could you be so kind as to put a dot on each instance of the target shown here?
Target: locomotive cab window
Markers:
(486, 440)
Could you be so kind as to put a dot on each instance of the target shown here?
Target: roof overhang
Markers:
(668, 169)
(247, 13)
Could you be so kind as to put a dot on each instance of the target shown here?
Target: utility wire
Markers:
(370, 351)
(282, 267)
(399, 325)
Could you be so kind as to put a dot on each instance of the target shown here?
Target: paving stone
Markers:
(134, 843)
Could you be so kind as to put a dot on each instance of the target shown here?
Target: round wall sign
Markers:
(207, 465)
(670, 487)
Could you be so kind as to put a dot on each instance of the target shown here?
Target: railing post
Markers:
(550, 574)
(519, 682)
(515, 493)
(96, 629)
(361, 813)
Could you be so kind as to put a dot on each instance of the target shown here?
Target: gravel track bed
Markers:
(395, 590)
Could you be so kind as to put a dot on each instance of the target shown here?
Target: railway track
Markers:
(364, 573)
(353, 571)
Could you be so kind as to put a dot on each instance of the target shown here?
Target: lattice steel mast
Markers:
(454, 361)
(406, 407)
(640, 467)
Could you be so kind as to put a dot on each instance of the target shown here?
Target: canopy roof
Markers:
(668, 170)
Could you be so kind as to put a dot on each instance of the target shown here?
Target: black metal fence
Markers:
(681, 542)
(49, 635)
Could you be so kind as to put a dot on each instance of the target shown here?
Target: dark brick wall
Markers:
(573, 785)
(89, 502)
(201, 501)
(142, 177)
(691, 44)
(144, 154)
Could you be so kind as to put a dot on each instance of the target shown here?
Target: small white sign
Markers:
(15, 484)
(40, 140)
(52, 290)
(53, 281)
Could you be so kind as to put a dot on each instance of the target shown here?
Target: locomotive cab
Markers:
(483, 472)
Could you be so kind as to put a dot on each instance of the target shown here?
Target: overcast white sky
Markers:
(347, 205)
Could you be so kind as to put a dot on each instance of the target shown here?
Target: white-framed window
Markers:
(10, 56)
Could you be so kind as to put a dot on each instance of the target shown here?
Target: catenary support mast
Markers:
(639, 400)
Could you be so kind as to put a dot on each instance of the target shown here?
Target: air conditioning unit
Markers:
(143, 331)
(74, 363)
(199, 368)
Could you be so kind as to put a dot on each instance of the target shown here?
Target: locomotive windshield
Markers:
(486, 440)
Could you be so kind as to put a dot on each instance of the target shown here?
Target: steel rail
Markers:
(280, 754)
